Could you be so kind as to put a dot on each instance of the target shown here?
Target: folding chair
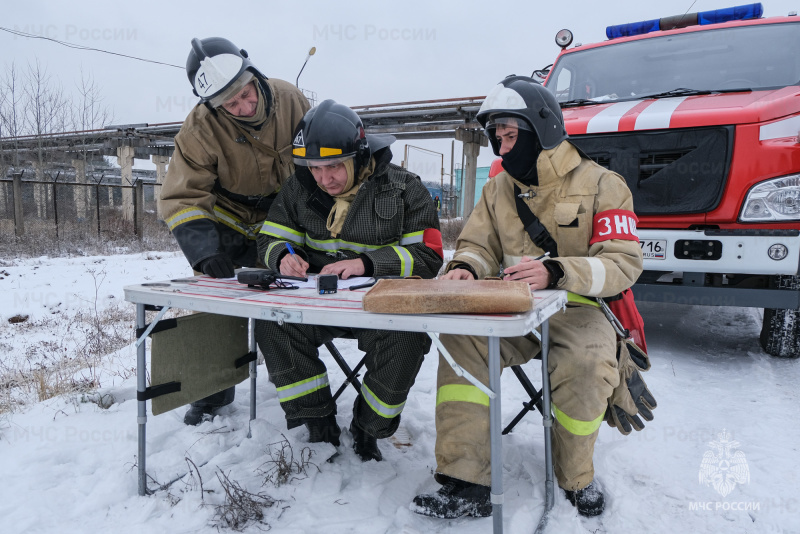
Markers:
(351, 375)
(536, 398)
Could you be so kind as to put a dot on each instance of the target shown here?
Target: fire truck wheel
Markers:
(780, 330)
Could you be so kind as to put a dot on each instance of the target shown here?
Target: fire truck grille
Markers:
(669, 172)
(603, 160)
(649, 164)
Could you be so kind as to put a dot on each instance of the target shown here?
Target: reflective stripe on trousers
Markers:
(302, 388)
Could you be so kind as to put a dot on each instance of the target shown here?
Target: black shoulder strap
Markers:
(318, 201)
(539, 234)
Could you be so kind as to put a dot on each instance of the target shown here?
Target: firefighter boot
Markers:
(365, 445)
(589, 501)
(454, 499)
(205, 409)
(195, 414)
(323, 430)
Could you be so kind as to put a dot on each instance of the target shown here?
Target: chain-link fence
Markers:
(52, 218)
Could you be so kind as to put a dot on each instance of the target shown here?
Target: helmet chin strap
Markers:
(520, 161)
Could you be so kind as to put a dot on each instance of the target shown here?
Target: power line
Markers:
(81, 47)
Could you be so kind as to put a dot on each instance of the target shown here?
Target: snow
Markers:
(68, 465)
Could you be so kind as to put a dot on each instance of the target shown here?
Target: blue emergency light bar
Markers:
(715, 16)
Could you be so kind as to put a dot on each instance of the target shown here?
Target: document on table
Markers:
(342, 284)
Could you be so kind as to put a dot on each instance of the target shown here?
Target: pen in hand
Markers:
(543, 256)
(291, 251)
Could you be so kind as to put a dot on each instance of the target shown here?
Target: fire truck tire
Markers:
(780, 330)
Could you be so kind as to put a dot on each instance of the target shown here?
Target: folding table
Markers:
(343, 309)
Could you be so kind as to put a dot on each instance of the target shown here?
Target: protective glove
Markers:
(217, 266)
(630, 398)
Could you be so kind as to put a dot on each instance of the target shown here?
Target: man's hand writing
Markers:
(528, 270)
(293, 266)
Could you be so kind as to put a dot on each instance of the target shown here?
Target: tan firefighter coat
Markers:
(215, 156)
(571, 191)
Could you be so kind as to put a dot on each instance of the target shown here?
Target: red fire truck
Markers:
(701, 114)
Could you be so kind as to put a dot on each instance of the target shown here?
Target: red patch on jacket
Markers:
(433, 240)
(614, 224)
(496, 168)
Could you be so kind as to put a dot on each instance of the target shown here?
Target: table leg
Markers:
(547, 422)
(495, 435)
(251, 337)
(141, 387)
(548, 419)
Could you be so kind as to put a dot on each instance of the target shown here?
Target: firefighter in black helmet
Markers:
(231, 156)
(347, 211)
(548, 198)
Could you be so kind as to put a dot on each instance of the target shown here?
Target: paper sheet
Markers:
(343, 284)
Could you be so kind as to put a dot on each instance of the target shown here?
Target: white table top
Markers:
(343, 309)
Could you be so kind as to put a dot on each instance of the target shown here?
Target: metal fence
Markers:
(53, 218)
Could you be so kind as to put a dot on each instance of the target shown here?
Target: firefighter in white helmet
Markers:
(232, 154)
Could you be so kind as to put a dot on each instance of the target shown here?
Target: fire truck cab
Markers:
(700, 113)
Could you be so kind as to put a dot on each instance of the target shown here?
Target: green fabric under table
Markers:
(200, 353)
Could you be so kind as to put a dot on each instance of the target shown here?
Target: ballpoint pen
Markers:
(374, 280)
(291, 251)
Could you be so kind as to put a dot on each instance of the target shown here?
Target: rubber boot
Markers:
(589, 501)
(195, 414)
(199, 409)
(365, 445)
(323, 430)
(454, 499)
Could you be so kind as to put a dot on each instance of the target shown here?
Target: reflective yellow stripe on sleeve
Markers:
(463, 393)
(283, 232)
(576, 426)
(270, 248)
(189, 214)
(334, 245)
(406, 261)
(235, 223)
(413, 237)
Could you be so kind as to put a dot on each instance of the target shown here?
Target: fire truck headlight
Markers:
(777, 252)
(773, 200)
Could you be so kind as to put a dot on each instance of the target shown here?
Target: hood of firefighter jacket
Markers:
(520, 161)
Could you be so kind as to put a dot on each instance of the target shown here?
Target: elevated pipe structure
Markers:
(449, 118)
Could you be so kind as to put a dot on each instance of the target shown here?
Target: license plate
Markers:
(653, 249)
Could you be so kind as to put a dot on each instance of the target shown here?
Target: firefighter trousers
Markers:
(583, 374)
(393, 360)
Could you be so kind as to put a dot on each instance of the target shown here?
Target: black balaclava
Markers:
(520, 161)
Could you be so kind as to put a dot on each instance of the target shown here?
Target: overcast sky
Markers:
(367, 52)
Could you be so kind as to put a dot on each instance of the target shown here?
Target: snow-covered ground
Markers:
(68, 465)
